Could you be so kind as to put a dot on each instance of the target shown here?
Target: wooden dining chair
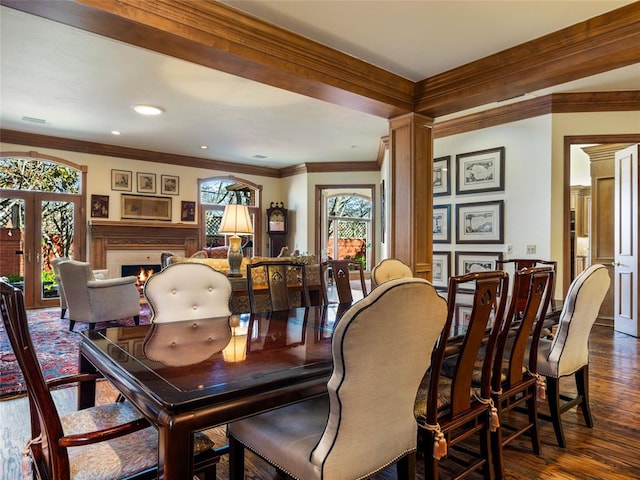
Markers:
(568, 352)
(277, 279)
(104, 442)
(365, 422)
(521, 263)
(448, 411)
(514, 384)
(339, 271)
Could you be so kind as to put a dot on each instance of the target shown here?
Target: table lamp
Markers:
(235, 220)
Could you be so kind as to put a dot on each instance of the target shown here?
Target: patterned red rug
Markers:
(56, 346)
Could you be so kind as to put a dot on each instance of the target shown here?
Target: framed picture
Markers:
(121, 180)
(441, 270)
(441, 223)
(461, 319)
(441, 176)
(100, 206)
(481, 222)
(146, 182)
(188, 211)
(169, 185)
(141, 207)
(470, 262)
(481, 171)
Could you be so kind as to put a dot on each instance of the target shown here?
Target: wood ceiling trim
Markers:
(59, 143)
(606, 42)
(218, 36)
(556, 103)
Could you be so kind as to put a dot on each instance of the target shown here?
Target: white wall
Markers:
(527, 185)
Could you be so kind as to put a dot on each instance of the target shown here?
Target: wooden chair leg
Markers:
(487, 454)
(406, 467)
(136, 319)
(63, 312)
(582, 384)
(71, 325)
(532, 408)
(496, 452)
(236, 459)
(430, 463)
(553, 396)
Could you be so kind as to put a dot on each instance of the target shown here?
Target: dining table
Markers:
(191, 375)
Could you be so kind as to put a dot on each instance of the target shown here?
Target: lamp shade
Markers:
(236, 220)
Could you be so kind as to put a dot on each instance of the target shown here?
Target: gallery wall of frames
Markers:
(468, 213)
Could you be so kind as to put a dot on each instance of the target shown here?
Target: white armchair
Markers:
(92, 301)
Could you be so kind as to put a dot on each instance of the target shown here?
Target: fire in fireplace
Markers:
(141, 272)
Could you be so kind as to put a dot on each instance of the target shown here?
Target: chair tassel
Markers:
(495, 419)
(439, 446)
(541, 387)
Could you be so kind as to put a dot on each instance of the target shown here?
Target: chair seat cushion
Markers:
(120, 457)
(444, 396)
(286, 436)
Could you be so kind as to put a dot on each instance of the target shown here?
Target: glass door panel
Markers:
(57, 227)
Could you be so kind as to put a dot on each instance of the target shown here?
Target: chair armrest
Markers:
(80, 377)
(111, 282)
(88, 438)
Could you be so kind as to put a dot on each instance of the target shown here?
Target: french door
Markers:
(38, 226)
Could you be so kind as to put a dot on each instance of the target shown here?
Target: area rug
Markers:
(56, 347)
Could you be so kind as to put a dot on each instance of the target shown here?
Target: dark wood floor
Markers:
(611, 450)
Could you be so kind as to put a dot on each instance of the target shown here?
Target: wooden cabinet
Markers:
(581, 205)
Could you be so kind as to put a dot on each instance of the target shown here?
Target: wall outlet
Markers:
(508, 248)
(531, 249)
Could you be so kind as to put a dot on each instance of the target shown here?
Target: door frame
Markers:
(566, 237)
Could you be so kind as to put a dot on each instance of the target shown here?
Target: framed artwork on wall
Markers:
(146, 182)
(441, 223)
(100, 206)
(441, 270)
(471, 262)
(142, 207)
(121, 180)
(169, 185)
(188, 211)
(480, 222)
(441, 176)
(481, 171)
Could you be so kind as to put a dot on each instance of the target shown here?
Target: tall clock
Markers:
(277, 224)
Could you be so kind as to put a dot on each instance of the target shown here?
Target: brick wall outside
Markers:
(10, 242)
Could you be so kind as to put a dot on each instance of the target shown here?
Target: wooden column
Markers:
(411, 192)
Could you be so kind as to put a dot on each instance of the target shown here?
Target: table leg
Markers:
(86, 390)
(175, 449)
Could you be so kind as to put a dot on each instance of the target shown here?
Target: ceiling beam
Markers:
(603, 43)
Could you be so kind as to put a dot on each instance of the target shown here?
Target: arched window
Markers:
(349, 229)
(217, 192)
(41, 217)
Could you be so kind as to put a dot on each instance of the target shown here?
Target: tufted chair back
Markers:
(187, 291)
(388, 269)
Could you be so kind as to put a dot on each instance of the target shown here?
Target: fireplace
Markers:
(141, 272)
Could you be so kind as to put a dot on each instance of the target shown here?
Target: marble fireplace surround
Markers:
(113, 244)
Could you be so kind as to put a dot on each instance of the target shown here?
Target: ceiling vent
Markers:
(33, 120)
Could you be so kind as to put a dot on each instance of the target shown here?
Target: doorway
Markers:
(37, 226)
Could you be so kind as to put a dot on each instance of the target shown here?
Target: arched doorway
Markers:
(41, 217)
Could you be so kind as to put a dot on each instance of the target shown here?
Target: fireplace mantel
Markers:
(130, 236)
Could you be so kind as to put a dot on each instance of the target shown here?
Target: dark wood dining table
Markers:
(190, 375)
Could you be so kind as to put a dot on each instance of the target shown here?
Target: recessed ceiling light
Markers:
(203, 147)
(148, 109)
(115, 132)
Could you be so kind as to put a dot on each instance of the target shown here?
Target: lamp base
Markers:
(234, 255)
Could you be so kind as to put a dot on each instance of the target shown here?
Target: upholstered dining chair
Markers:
(92, 301)
(276, 279)
(335, 436)
(514, 381)
(187, 291)
(447, 409)
(388, 269)
(339, 271)
(568, 352)
(105, 442)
